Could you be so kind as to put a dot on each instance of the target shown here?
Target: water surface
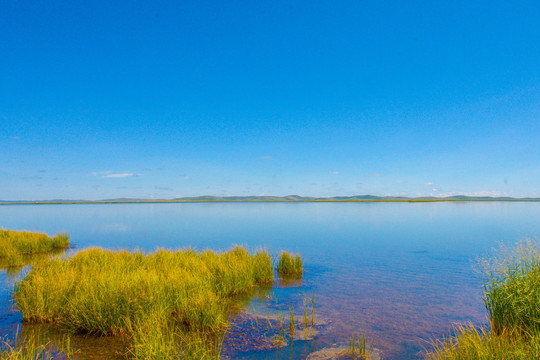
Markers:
(399, 273)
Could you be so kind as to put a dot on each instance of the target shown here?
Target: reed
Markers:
(290, 265)
(306, 311)
(292, 325)
(15, 245)
(153, 299)
(357, 348)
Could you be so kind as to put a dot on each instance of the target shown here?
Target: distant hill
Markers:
(288, 198)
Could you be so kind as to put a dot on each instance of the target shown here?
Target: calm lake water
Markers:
(399, 273)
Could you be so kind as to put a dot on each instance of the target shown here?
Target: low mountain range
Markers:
(288, 198)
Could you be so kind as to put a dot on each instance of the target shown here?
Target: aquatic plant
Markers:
(153, 299)
(306, 316)
(292, 325)
(313, 310)
(307, 320)
(357, 348)
(470, 343)
(290, 265)
(27, 352)
(511, 298)
(32, 348)
(279, 338)
(14, 245)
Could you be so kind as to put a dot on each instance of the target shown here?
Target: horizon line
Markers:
(272, 198)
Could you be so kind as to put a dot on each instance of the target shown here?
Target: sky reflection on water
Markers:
(400, 273)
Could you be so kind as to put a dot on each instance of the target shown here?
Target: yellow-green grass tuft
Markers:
(154, 299)
(289, 265)
(470, 343)
(15, 245)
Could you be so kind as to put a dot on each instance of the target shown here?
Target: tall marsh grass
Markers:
(14, 245)
(512, 300)
(512, 289)
(290, 265)
(157, 300)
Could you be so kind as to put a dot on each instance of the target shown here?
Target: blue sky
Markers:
(178, 98)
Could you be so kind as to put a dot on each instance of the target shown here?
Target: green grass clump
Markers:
(512, 300)
(470, 343)
(156, 299)
(512, 292)
(14, 245)
(289, 265)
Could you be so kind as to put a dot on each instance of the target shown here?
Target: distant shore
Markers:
(272, 199)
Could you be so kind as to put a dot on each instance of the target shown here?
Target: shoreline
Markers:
(259, 201)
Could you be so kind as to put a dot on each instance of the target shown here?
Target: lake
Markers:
(398, 273)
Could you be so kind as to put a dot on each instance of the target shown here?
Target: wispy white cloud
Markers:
(118, 176)
(428, 183)
(334, 172)
(111, 175)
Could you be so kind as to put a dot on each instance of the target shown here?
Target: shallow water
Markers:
(399, 273)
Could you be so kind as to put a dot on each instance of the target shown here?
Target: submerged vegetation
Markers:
(15, 245)
(511, 297)
(165, 303)
(290, 266)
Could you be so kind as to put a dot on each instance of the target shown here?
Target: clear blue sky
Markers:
(161, 99)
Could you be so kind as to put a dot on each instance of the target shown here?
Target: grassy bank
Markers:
(164, 303)
(512, 300)
(16, 245)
